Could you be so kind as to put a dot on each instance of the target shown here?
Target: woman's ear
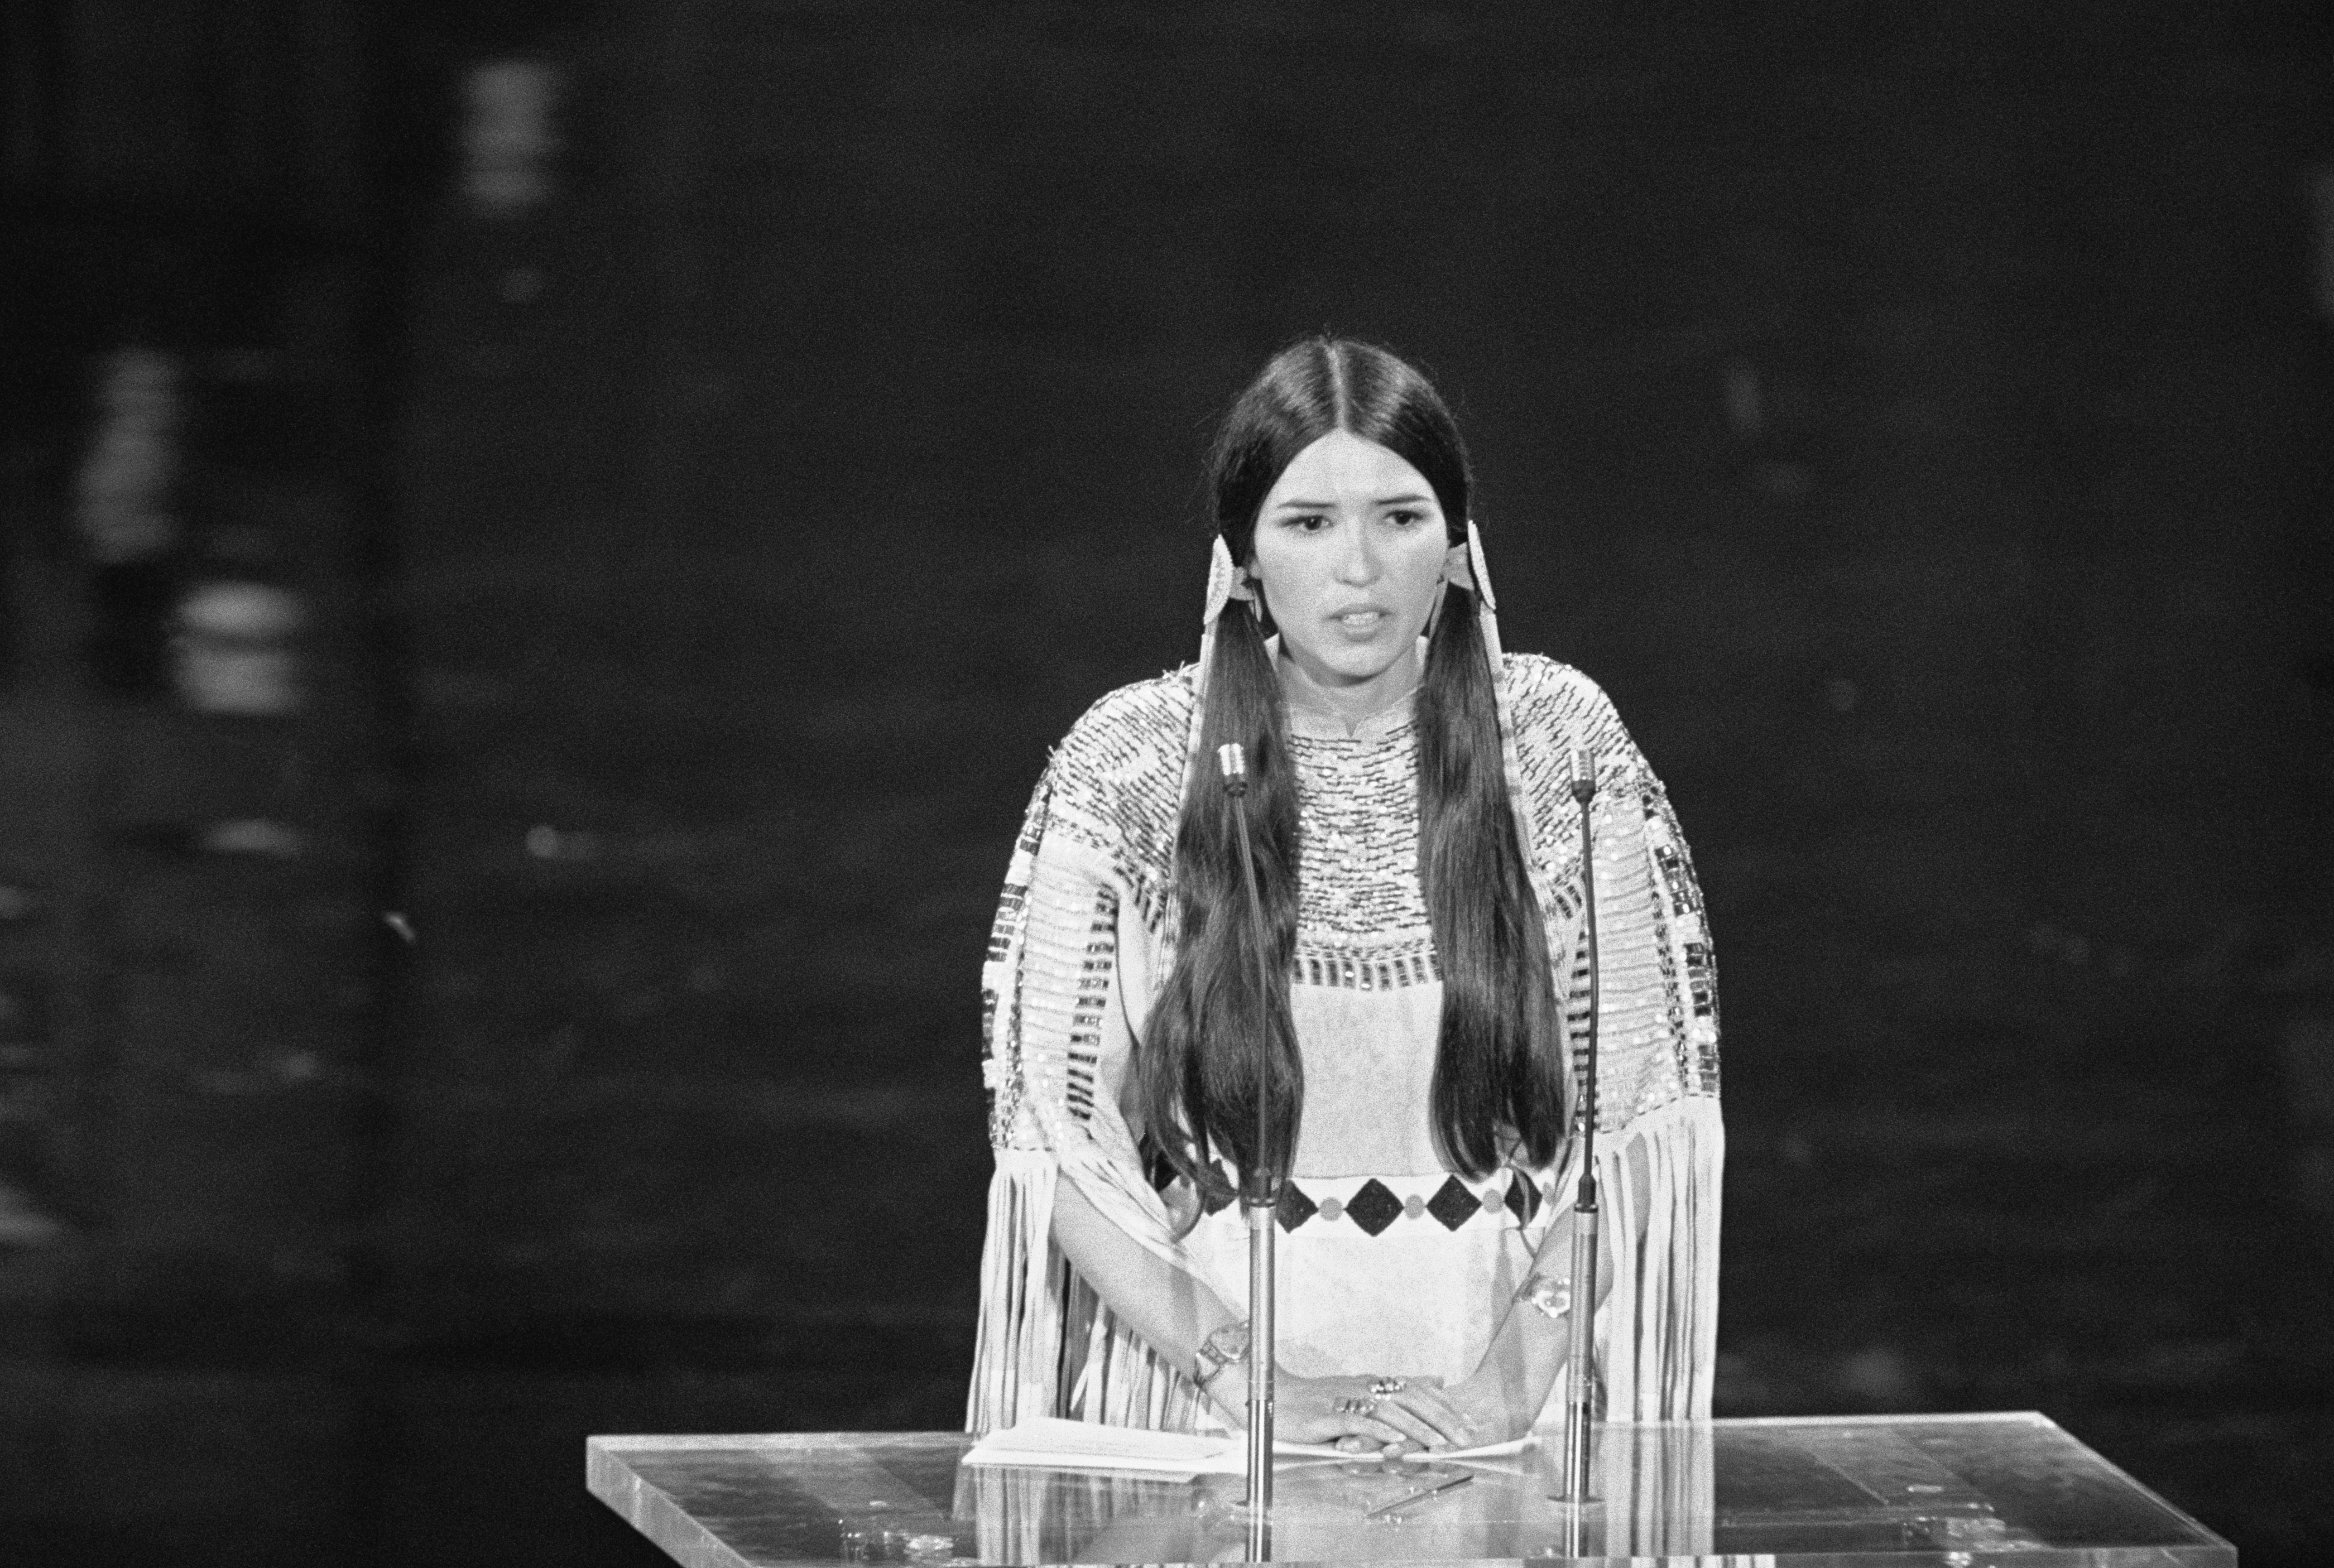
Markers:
(1455, 566)
(1251, 589)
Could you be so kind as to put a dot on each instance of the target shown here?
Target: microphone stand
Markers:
(1259, 1193)
(1581, 1370)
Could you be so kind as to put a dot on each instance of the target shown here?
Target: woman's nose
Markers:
(1357, 556)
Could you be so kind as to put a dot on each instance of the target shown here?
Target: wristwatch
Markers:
(1220, 1349)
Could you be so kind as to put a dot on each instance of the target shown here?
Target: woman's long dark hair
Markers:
(1501, 1077)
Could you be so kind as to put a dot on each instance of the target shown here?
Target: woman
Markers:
(1417, 855)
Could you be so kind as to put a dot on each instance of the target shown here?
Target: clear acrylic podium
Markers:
(1966, 1491)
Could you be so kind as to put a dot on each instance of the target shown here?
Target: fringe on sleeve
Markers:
(1658, 1329)
(1661, 1141)
(1018, 1346)
(1661, 1489)
(1662, 1132)
(1047, 1345)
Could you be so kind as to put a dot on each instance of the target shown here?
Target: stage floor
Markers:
(1955, 1491)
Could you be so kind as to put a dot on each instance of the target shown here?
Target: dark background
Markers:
(1915, 416)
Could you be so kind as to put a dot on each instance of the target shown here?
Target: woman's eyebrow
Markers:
(1295, 504)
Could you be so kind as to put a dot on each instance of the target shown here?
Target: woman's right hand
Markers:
(1419, 1414)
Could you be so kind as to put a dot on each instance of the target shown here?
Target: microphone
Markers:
(1580, 1366)
(1260, 1186)
(1232, 763)
(1260, 1183)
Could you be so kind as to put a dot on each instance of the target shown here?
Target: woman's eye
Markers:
(1406, 518)
(1309, 522)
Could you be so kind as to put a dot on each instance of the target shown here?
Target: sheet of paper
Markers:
(1053, 1443)
(1087, 1444)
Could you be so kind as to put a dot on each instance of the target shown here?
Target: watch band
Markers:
(1221, 1349)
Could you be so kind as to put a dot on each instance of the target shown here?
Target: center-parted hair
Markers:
(1501, 1077)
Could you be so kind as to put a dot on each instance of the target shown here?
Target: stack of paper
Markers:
(1061, 1445)
(1055, 1444)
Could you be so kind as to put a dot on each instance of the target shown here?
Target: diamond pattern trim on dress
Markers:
(1295, 1209)
(1453, 1204)
(1523, 1199)
(1374, 1206)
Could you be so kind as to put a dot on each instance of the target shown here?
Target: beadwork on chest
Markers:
(1357, 815)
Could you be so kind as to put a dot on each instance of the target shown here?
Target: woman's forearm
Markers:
(1531, 1345)
(1528, 1348)
(1170, 1308)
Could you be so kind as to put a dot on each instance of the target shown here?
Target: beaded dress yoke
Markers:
(1390, 1262)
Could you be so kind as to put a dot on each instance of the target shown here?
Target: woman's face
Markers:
(1350, 551)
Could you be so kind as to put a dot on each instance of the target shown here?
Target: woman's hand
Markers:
(1500, 1402)
(1493, 1404)
(1343, 1410)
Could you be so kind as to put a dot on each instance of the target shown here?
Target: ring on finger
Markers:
(1384, 1386)
(1357, 1406)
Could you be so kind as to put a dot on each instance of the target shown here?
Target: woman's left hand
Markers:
(1499, 1404)
(1489, 1401)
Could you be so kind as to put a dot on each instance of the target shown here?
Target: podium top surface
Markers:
(1964, 1491)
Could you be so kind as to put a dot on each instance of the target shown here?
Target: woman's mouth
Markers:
(1360, 623)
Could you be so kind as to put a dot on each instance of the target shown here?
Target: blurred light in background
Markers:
(234, 651)
(510, 135)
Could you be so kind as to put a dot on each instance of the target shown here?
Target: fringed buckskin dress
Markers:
(1390, 1263)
